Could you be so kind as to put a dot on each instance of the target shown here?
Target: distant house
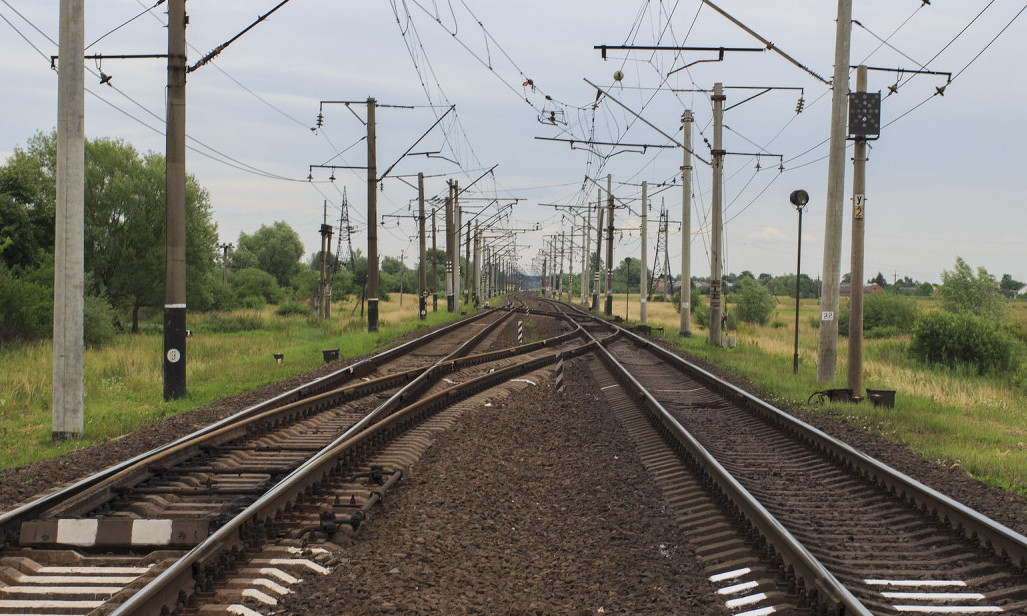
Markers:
(845, 289)
(1022, 291)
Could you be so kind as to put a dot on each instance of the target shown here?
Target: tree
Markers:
(755, 304)
(880, 280)
(962, 291)
(276, 250)
(28, 195)
(123, 225)
(1009, 286)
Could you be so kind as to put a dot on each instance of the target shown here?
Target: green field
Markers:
(969, 422)
(227, 354)
(975, 423)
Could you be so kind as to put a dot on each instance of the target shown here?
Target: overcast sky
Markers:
(944, 179)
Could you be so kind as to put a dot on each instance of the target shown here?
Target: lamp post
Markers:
(799, 198)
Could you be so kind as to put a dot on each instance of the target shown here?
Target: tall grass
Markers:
(977, 424)
(226, 355)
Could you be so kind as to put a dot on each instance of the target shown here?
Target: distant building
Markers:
(845, 289)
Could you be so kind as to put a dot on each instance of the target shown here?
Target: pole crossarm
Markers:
(100, 56)
(644, 146)
(647, 122)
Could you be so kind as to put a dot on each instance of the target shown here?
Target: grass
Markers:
(227, 354)
(977, 424)
(962, 421)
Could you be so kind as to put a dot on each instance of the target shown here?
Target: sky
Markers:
(943, 179)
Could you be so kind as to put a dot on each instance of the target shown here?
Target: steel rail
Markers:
(10, 521)
(1003, 541)
(169, 586)
(813, 580)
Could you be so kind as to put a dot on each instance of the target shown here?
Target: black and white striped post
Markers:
(520, 332)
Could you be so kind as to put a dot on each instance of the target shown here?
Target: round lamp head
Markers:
(799, 198)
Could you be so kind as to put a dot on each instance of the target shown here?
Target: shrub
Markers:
(884, 315)
(26, 309)
(700, 312)
(98, 321)
(964, 340)
(293, 307)
(755, 303)
(777, 324)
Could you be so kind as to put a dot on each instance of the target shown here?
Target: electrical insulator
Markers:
(799, 105)
(320, 120)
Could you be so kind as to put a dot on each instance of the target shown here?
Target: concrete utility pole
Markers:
(717, 229)
(372, 220)
(563, 280)
(224, 262)
(859, 162)
(467, 264)
(174, 269)
(643, 279)
(324, 295)
(477, 262)
(450, 299)
(827, 345)
(434, 264)
(685, 328)
(609, 245)
(584, 253)
(67, 398)
(599, 248)
(422, 266)
(457, 225)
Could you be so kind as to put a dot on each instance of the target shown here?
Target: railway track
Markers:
(788, 518)
(198, 522)
(785, 519)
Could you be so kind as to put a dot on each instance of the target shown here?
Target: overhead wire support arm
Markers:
(647, 122)
(644, 146)
(761, 39)
(217, 50)
(414, 145)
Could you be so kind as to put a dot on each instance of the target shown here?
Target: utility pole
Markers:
(467, 263)
(224, 262)
(324, 294)
(599, 249)
(477, 263)
(450, 299)
(563, 281)
(174, 269)
(827, 344)
(402, 267)
(434, 264)
(609, 245)
(457, 225)
(422, 267)
(643, 277)
(717, 230)
(859, 162)
(585, 228)
(67, 397)
(372, 220)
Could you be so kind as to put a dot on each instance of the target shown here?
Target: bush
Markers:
(755, 303)
(98, 321)
(26, 309)
(700, 311)
(293, 307)
(884, 315)
(954, 340)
